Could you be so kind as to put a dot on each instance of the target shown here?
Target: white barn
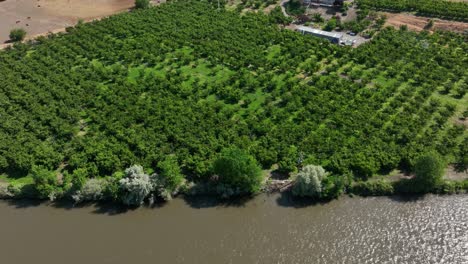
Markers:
(324, 2)
(333, 37)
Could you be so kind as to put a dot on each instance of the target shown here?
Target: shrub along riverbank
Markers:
(186, 97)
(136, 188)
(428, 178)
(236, 174)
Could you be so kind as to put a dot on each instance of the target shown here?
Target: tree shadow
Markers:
(112, 209)
(100, 207)
(16, 173)
(407, 198)
(24, 203)
(104, 207)
(278, 175)
(108, 207)
(331, 12)
(385, 170)
(287, 199)
(210, 201)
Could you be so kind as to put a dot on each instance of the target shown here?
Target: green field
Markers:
(187, 80)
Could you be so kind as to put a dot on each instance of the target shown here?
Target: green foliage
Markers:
(452, 187)
(461, 162)
(289, 161)
(429, 169)
(313, 181)
(331, 25)
(92, 190)
(356, 26)
(79, 177)
(237, 171)
(372, 188)
(136, 87)
(17, 34)
(362, 166)
(362, 14)
(278, 17)
(363, 21)
(465, 114)
(252, 4)
(308, 181)
(295, 7)
(318, 18)
(171, 176)
(380, 21)
(430, 24)
(345, 7)
(80, 22)
(141, 4)
(334, 186)
(46, 183)
(112, 189)
(439, 8)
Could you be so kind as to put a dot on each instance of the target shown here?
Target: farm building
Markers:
(324, 2)
(333, 37)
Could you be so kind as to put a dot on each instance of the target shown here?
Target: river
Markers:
(266, 229)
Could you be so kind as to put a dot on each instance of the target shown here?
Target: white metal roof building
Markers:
(333, 37)
(328, 3)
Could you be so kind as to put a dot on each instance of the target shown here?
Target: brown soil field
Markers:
(42, 16)
(418, 23)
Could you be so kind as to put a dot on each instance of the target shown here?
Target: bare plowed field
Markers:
(42, 16)
(419, 23)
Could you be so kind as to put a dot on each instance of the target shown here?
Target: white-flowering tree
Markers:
(135, 186)
(308, 181)
(92, 190)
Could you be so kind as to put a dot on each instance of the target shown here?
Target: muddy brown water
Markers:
(266, 229)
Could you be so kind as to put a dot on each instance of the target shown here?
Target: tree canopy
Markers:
(17, 34)
(238, 170)
(185, 79)
(308, 181)
(141, 4)
(429, 169)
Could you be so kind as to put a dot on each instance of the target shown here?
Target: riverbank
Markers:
(374, 187)
(266, 229)
(137, 187)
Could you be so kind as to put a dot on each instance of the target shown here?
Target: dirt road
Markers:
(283, 8)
